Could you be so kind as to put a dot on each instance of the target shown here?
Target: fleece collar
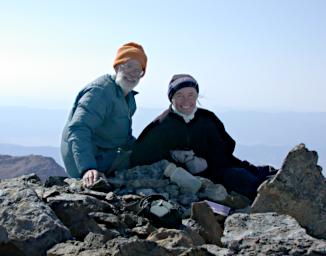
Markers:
(186, 118)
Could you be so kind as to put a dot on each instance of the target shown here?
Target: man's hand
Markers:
(90, 177)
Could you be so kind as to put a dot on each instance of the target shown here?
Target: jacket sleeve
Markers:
(88, 115)
(227, 140)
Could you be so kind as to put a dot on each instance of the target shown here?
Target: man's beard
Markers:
(126, 85)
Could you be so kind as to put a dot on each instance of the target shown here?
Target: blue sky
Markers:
(245, 54)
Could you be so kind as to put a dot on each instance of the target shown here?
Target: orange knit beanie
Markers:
(131, 51)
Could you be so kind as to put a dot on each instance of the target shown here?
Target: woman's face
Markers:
(184, 100)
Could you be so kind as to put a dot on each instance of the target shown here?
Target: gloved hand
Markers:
(193, 163)
(196, 165)
(182, 156)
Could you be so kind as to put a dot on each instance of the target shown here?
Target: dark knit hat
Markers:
(131, 51)
(180, 81)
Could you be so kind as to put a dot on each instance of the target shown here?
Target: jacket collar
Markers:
(186, 118)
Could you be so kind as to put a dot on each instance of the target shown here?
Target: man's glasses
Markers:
(132, 69)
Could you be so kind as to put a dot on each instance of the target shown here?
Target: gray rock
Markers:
(144, 231)
(73, 210)
(171, 238)
(111, 197)
(75, 185)
(187, 199)
(236, 201)
(191, 224)
(210, 229)
(211, 191)
(96, 240)
(49, 192)
(109, 219)
(27, 225)
(173, 190)
(154, 171)
(55, 180)
(31, 178)
(130, 198)
(101, 185)
(132, 220)
(207, 250)
(96, 194)
(93, 244)
(269, 234)
(134, 246)
(299, 190)
(76, 248)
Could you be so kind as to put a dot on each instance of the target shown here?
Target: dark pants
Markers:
(241, 181)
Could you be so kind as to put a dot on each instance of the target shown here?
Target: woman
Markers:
(195, 139)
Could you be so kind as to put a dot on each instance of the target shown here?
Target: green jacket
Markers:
(99, 125)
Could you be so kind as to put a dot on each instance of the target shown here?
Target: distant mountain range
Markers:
(43, 167)
(262, 138)
(17, 150)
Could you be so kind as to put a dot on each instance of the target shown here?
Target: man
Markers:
(98, 130)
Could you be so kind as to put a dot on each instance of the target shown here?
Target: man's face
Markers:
(128, 75)
(184, 100)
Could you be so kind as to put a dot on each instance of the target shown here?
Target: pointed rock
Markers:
(298, 190)
(210, 229)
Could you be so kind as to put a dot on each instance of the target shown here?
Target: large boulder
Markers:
(269, 234)
(74, 211)
(298, 190)
(27, 225)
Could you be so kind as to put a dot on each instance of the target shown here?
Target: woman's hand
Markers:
(194, 164)
(182, 156)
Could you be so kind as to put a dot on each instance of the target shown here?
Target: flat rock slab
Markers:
(269, 234)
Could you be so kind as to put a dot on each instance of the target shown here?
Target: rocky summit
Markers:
(115, 215)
